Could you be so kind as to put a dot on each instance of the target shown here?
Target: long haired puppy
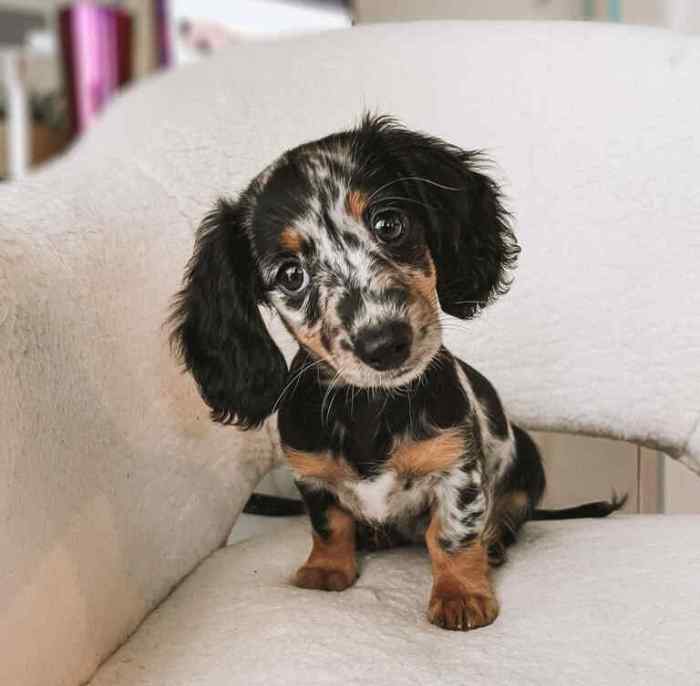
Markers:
(359, 241)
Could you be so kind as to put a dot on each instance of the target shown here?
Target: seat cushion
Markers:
(611, 601)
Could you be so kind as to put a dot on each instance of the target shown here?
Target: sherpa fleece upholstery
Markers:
(113, 483)
(583, 603)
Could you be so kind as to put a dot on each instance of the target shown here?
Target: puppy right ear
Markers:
(217, 328)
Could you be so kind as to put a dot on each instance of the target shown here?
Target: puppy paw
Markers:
(324, 578)
(461, 611)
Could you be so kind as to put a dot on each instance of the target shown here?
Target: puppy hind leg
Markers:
(509, 512)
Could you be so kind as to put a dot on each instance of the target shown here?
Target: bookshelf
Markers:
(61, 62)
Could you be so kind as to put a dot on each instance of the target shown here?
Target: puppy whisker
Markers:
(333, 385)
(469, 302)
(296, 377)
(412, 178)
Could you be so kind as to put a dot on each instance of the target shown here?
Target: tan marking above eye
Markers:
(355, 204)
(419, 458)
(290, 240)
(321, 466)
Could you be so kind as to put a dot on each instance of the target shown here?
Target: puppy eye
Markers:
(291, 277)
(389, 225)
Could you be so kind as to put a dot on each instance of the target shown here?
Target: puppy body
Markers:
(358, 241)
(393, 460)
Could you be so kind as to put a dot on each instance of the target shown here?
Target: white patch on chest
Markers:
(385, 497)
(373, 495)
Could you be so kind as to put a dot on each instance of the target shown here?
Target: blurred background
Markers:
(61, 63)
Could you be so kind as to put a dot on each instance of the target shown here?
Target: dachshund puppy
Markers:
(359, 241)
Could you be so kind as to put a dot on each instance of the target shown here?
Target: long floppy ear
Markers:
(217, 327)
(472, 244)
(468, 232)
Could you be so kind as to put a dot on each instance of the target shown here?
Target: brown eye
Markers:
(389, 225)
(291, 277)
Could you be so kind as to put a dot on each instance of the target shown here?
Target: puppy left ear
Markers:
(471, 241)
(217, 328)
(468, 233)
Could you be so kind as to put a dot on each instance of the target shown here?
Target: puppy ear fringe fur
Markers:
(471, 238)
(216, 327)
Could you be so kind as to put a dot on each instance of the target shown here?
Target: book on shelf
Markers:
(98, 46)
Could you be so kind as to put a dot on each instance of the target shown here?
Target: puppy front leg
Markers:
(462, 597)
(331, 565)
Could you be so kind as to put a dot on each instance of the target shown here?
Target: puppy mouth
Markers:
(416, 367)
(408, 373)
(363, 375)
(393, 368)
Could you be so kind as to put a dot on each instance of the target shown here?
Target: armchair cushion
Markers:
(583, 602)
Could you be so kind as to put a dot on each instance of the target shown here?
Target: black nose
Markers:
(384, 347)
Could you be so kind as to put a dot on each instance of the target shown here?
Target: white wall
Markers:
(409, 10)
(264, 17)
(680, 15)
(581, 469)
(681, 489)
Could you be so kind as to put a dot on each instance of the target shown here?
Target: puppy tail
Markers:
(273, 506)
(602, 508)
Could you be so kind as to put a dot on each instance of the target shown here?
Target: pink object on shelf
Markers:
(162, 23)
(96, 48)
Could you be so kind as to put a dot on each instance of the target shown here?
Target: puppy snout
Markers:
(384, 347)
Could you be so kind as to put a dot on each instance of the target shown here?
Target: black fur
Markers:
(218, 330)
(601, 508)
(317, 502)
(468, 231)
(489, 398)
(273, 506)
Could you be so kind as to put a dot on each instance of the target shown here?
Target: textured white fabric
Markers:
(594, 131)
(582, 603)
(113, 484)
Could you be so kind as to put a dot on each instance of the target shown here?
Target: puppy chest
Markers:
(399, 485)
(386, 496)
(407, 480)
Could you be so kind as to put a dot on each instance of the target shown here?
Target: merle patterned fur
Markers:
(371, 374)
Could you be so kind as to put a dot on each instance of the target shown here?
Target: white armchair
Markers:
(114, 485)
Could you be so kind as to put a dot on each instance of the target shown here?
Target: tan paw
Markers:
(324, 578)
(462, 611)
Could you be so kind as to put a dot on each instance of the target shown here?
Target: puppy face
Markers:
(343, 258)
(357, 240)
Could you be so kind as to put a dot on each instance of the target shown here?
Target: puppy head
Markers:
(357, 240)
